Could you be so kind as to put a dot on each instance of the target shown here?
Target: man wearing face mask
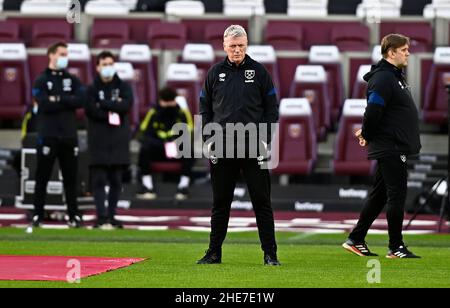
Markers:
(156, 138)
(57, 94)
(109, 100)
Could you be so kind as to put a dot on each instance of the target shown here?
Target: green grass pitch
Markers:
(307, 260)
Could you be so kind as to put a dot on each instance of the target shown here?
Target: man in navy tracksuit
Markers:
(239, 90)
(57, 95)
(391, 131)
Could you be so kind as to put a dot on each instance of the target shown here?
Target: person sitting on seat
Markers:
(157, 143)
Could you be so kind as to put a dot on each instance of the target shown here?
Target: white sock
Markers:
(147, 181)
(184, 182)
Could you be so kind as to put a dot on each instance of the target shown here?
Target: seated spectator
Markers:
(156, 138)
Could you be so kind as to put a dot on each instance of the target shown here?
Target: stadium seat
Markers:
(202, 55)
(330, 58)
(58, 7)
(266, 55)
(437, 9)
(125, 71)
(308, 8)
(184, 79)
(185, 8)
(243, 7)
(310, 81)
(284, 38)
(106, 34)
(295, 148)
(9, 32)
(46, 33)
(14, 81)
(360, 86)
(420, 33)
(80, 65)
(214, 34)
(436, 98)
(107, 7)
(167, 35)
(140, 57)
(350, 158)
(351, 38)
(80, 62)
(374, 10)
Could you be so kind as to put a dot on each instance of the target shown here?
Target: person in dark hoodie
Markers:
(157, 137)
(109, 102)
(57, 95)
(391, 132)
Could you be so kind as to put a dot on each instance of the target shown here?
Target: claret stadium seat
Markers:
(184, 79)
(350, 158)
(296, 146)
(14, 81)
(435, 105)
(311, 82)
(140, 57)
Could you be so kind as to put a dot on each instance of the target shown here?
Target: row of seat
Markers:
(320, 79)
(283, 35)
(295, 151)
(360, 8)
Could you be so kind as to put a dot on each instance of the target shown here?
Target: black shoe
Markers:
(271, 259)
(36, 222)
(211, 257)
(146, 194)
(401, 253)
(359, 249)
(115, 223)
(182, 194)
(75, 222)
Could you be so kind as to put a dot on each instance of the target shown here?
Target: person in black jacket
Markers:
(109, 100)
(391, 132)
(58, 94)
(156, 136)
(239, 90)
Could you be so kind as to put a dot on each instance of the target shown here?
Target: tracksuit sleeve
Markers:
(41, 97)
(77, 98)
(270, 104)
(379, 93)
(93, 110)
(206, 108)
(123, 107)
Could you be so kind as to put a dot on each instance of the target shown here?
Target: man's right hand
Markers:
(362, 141)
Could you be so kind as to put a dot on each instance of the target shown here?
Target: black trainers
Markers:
(211, 257)
(182, 194)
(401, 253)
(146, 194)
(36, 222)
(75, 222)
(359, 249)
(271, 259)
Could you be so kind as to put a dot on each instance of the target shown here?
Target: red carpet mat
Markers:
(58, 268)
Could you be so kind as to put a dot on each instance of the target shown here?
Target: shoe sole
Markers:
(147, 197)
(352, 250)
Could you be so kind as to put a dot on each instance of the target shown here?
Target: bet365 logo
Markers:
(74, 12)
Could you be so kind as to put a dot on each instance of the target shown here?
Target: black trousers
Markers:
(390, 188)
(101, 176)
(224, 175)
(148, 155)
(66, 151)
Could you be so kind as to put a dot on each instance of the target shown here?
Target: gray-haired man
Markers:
(239, 90)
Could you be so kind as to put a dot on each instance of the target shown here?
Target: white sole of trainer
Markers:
(352, 250)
